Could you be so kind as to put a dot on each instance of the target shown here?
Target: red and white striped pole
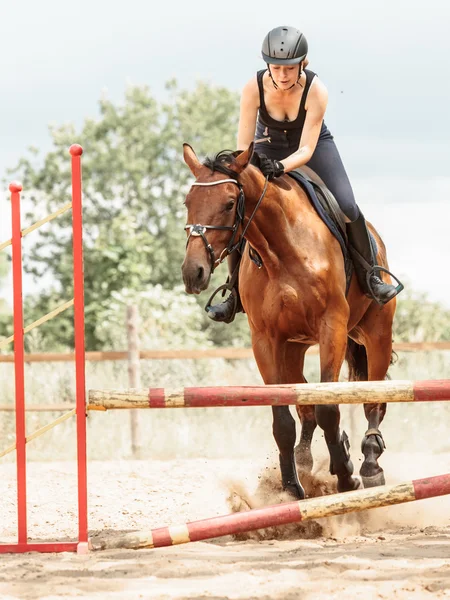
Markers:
(78, 284)
(342, 392)
(282, 514)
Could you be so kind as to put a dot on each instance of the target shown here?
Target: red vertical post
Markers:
(19, 365)
(78, 289)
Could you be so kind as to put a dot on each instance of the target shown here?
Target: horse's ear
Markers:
(243, 159)
(190, 158)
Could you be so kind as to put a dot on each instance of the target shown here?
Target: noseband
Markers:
(199, 230)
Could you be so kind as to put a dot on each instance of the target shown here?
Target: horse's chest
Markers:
(289, 298)
(294, 309)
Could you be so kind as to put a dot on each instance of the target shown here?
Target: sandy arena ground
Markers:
(400, 552)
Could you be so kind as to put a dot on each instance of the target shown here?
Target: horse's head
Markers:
(215, 211)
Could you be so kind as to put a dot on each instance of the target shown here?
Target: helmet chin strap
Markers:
(271, 77)
(300, 72)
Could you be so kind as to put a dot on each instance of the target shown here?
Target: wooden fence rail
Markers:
(229, 353)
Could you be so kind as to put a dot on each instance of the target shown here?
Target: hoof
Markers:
(374, 480)
(349, 485)
(296, 491)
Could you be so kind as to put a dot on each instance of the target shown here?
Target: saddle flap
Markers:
(326, 198)
(328, 210)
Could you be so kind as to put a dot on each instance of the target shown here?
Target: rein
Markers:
(199, 230)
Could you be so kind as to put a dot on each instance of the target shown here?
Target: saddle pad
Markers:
(332, 225)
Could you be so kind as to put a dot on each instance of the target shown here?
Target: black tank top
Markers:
(284, 125)
(283, 137)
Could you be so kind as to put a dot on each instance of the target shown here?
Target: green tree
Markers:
(168, 319)
(417, 319)
(134, 183)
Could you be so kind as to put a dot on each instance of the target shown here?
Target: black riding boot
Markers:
(358, 237)
(225, 311)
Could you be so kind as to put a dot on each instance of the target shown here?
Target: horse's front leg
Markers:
(273, 358)
(283, 428)
(333, 343)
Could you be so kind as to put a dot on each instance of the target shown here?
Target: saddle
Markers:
(328, 210)
(326, 199)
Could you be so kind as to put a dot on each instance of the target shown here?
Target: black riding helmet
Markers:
(284, 46)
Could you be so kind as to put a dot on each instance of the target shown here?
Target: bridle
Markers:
(199, 230)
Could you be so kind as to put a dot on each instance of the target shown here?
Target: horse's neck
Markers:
(276, 227)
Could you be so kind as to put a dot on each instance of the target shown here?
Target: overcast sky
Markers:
(386, 65)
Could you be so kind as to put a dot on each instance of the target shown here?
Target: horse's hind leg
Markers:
(333, 343)
(373, 446)
(372, 363)
(306, 414)
(282, 362)
(303, 454)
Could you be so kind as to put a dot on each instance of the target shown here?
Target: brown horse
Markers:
(295, 300)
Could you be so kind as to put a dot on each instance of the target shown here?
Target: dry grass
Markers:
(213, 433)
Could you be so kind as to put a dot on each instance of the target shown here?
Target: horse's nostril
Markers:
(200, 273)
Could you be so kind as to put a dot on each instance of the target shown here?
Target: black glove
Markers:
(270, 168)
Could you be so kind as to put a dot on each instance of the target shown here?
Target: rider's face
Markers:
(284, 76)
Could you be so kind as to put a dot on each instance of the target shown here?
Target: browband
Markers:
(216, 182)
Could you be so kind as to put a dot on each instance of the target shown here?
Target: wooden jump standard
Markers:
(268, 395)
(280, 514)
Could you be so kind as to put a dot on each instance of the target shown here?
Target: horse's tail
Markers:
(356, 358)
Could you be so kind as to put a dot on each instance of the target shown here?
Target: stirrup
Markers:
(222, 288)
(233, 296)
(373, 271)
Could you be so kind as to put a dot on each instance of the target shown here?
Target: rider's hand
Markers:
(270, 168)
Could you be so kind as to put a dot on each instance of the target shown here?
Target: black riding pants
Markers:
(325, 161)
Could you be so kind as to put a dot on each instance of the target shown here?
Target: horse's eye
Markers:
(230, 205)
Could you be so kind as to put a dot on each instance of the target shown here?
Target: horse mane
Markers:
(221, 161)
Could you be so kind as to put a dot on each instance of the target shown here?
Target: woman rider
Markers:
(286, 104)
